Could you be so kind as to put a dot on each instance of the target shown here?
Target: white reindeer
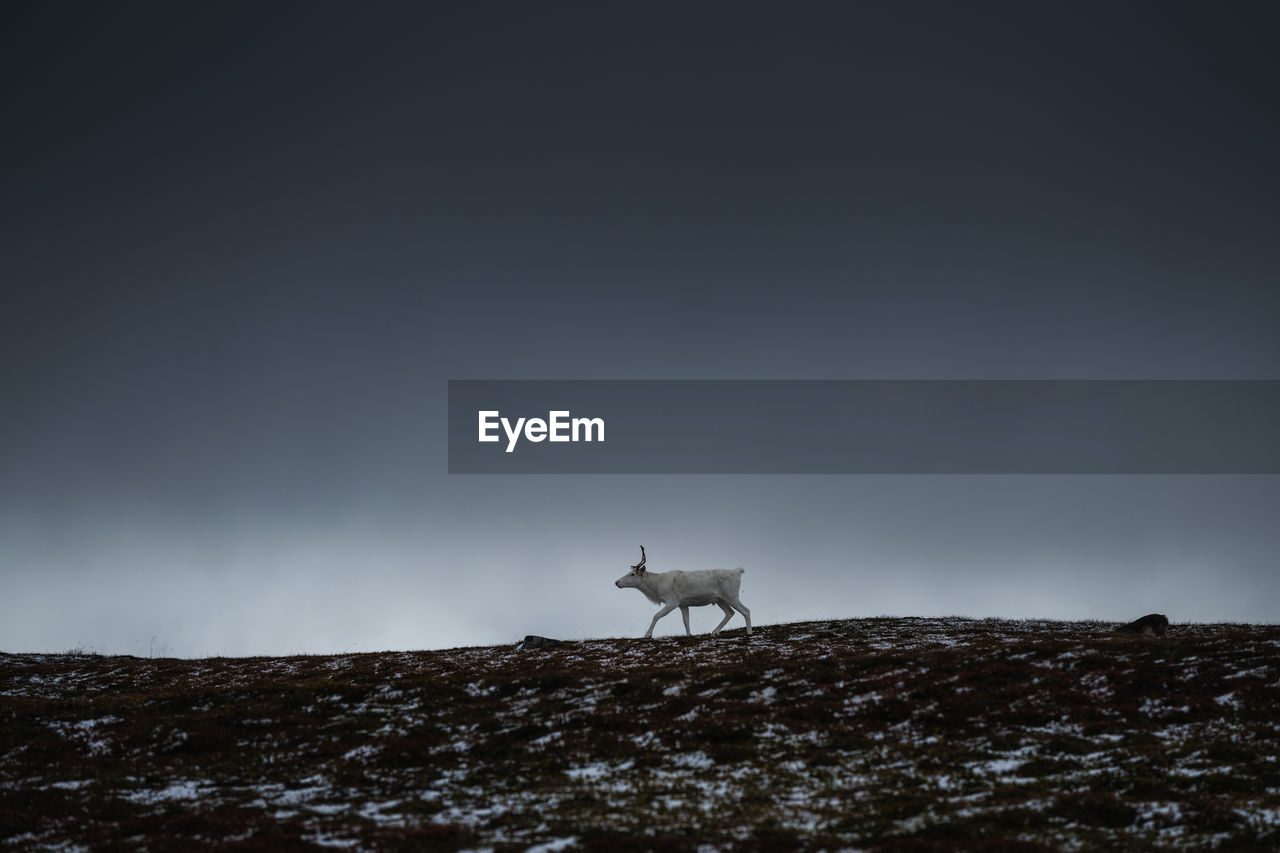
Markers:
(687, 589)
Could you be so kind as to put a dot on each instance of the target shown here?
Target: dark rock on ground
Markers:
(533, 641)
(1151, 625)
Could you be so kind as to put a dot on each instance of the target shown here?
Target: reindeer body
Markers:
(687, 589)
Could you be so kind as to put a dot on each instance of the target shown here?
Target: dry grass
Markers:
(895, 734)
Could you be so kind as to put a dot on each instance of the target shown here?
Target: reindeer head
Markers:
(633, 577)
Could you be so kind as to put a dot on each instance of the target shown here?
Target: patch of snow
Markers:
(328, 808)
(186, 790)
(1156, 708)
(303, 795)
(998, 766)
(1096, 684)
(1167, 813)
(645, 740)
(1003, 766)
(376, 812)
(472, 817)
(553, 845)
(323, 840)
(596, 770)
(548, 738)
(1192, 771)
(945, 782)
(85, 731)
(1268, 818)
(89, 725)
(694, 760)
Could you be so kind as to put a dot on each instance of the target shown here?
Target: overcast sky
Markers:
(244, 247)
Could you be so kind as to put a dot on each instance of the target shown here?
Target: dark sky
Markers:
(244, 246)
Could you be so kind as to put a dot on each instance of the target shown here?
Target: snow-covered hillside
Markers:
(897, 733)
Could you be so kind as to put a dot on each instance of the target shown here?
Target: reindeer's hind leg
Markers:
(728, 614)
(684, 611)
(746, 614)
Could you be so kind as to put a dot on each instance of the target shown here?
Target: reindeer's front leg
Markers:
(684, 611)
(663, 612)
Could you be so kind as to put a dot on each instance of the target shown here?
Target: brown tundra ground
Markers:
(899, 734)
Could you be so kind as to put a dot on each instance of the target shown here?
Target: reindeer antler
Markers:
(640, 565)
